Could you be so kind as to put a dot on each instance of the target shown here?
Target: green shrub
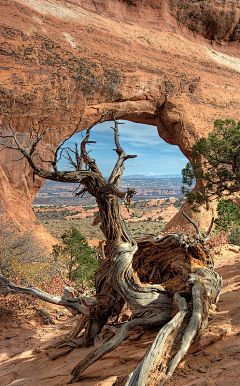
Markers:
(215, 161)
(228, 215)
(78, 257)
(234, 235)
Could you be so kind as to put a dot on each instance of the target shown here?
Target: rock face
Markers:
(172, 63)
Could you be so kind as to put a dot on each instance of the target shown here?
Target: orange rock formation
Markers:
(171, 63)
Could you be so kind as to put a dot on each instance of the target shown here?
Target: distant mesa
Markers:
(136, 176)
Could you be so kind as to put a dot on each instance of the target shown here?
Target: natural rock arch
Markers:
(165, 63)
(22, 175)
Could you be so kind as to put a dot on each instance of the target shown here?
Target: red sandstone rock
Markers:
(172, 64)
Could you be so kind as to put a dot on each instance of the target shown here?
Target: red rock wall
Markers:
(174, 64)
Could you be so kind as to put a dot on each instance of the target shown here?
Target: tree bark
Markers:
(167, 282)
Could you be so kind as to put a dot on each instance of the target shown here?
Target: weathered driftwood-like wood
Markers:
(75, 303)
(108, 346)
(160, 345)
(72, 340)
(166, 281)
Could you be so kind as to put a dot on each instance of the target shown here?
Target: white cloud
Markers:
(154, 155)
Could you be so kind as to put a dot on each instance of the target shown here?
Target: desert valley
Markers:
(156, 202)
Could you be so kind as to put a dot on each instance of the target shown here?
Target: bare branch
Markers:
(75, 303)
(90, 162)
(70, 160)
(79, 158)
(118, 169)
(29, 153)
(128, 197)
(81, 192)
(43, 160)
(6, 136)
(8, 147)
(178, 264)
(192, 222)
(209, 229)
(55, 160)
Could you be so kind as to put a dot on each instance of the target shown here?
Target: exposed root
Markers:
(78, 328)
(78, 304)
(184, 276)
(159, 347)
(46, 317)
(191, 329)
(71, 341)
(105, 347)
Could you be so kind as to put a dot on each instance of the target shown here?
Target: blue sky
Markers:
(155, 157)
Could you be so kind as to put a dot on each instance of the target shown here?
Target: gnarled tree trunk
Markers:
(167, 282)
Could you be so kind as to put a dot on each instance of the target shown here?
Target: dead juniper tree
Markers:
(167, 282)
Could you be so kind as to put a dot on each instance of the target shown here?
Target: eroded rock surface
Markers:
(173, 64)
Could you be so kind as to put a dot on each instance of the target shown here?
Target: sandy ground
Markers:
(213, 361)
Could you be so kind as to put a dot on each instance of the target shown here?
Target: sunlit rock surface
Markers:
(173, 64)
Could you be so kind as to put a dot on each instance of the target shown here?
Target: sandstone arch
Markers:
(167, 63)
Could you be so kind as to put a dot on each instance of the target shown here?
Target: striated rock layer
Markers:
(173, 63)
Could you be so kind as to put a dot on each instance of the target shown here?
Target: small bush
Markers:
(228, 215)
(234, 235)
(24, 262)
(77, 256)
(21, 256)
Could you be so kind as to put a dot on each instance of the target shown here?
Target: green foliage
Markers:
(228, 215)
(178, 203)
(234, 235)
(228, 220)
(79, 257)
(215, 163)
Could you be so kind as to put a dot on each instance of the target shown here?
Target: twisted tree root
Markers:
(183, 275)
(79, 304)
(72, 340)
(108, 346)
(191, 329)
(160, 345)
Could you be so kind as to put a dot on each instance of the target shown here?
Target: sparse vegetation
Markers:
(25, 262)
(56, 227)
(56, 224)
(234, 235)
(21, 256)
(228, 215)
(77, 256)
(215, 164)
